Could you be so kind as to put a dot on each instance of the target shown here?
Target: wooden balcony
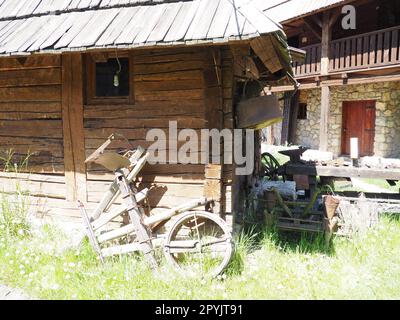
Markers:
(373, 50)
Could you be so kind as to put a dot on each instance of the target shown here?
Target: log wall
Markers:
(39, 104)
(168, 85)
(31, 124)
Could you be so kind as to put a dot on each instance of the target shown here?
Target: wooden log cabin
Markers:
(350, 79)
(175, 60)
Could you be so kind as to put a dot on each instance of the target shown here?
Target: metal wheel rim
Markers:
(271, 165)
(208, 216)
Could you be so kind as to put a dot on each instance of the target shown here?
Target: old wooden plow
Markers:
(198, 241)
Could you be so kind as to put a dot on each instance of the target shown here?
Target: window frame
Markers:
(303, 111)
(91, 60)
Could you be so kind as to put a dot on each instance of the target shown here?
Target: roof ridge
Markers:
(99, 6)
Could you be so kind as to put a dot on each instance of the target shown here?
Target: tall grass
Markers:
(14, 206)
(269, 265)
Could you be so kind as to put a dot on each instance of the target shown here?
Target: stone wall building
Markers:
(387, 123)
(349, 79)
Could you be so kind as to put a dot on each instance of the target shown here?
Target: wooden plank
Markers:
(33, 188)
(55, 23)
(30, 77)
(32, 93)
(344, 172)
(372, 51)
(92, 31)
(164, 23)
(221, 20)
(353, 53)
(235, 25)
(152, 18)
(60, 31)
(31, 62)
(201, 20)
(379, 48)
(325, 107)
(386, 47)
(31, 128)
(12, 28)
(359, 58)
(78, 22)
(182, 21)
(31, 107)
(117, 26)
(394, 54)
(28, 8)
(347, 53)
(115, 234)
(73, 133)
(133, 28)
(53, 148)
(107, 217)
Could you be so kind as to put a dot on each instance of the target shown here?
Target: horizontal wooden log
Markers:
(31, 128)
(194, 122)
(151, 86)
(131, 134)
(163, 57)
(183, 178)
(123, 249)
(53, 148)
(171, 76)
(30, 62)
(35, 93)
(149, 221)
(33, 188)
(144, 110)
(35, 77)
(115, 234)
(166, 67)
(31, 106)
(196, 94)
(33, 177)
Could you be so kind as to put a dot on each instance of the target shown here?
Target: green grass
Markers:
(265, 266)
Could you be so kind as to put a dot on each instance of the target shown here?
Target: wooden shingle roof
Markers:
(28, 26)
(287, 10)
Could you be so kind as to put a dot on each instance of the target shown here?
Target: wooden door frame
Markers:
(344, 114)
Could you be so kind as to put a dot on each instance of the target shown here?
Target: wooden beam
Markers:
(325, 106)
(213, 99)
(317, 32)
(339, 82)
(73, 134)
(325, 90)
(325, 43)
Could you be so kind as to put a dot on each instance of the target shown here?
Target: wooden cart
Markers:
(198, 241)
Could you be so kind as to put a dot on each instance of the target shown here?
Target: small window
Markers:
(112, 78)
(302, 115)
(109, 80)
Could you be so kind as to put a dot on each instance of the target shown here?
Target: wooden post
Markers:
(325, 90)
(73, 133)
(213, 97)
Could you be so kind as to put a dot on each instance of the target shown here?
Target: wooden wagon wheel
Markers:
(270, 166)
(200, 243)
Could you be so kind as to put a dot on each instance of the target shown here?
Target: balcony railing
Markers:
(365, 51)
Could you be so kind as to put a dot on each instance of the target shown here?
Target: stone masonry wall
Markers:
(387, 135)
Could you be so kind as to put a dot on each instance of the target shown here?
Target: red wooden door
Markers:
(359, 122)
